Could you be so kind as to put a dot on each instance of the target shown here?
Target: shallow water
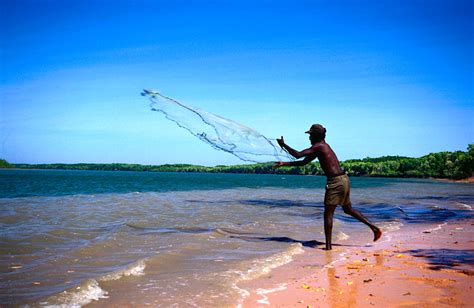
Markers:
(73, 237)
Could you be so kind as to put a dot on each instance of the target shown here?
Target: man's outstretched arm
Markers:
(297, 154)
(303, 162)
(293, 152)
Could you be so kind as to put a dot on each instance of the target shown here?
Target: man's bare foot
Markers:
(377, 233)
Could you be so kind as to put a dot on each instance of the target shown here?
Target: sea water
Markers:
(74, 238)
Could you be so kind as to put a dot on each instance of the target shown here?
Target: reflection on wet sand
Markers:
(378, 259)
(331, 277)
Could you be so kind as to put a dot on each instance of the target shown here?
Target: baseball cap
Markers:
(316, 128)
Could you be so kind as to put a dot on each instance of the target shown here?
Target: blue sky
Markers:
(384, 77)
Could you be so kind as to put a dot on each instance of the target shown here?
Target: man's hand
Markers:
(280, 141)
(278, 164)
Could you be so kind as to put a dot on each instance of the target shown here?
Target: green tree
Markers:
(5, 164)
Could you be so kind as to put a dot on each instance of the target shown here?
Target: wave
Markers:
(262, 266)
(437, 228)
(90, 289)
(162, 230)
(191, 230)
(134, 269)
(464, 206)
(77, 296)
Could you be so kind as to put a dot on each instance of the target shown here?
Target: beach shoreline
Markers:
(469, 180)
(428, 265)
(224, 240)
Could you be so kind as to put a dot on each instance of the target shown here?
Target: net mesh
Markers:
(222, 134)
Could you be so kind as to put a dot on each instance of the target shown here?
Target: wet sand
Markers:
(418, 266)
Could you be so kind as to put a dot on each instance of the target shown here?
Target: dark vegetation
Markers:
(5, 164)
(450, 165)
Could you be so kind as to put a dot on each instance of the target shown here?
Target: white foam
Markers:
(464, 205)
(263, 293)
(390, 226)
(341, 236)
(438, 227)
(135, 269)
(78, 296)
(90, 290)
(331, 264)
(264, 266)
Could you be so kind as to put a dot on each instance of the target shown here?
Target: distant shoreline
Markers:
(452, 166)
(469, 180)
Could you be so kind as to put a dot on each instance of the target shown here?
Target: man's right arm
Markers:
(303, 162)
(308, 154)
(296, 154)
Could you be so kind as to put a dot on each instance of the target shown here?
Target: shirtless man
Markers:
(338, 185)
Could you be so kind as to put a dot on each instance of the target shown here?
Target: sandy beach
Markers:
(418, 266)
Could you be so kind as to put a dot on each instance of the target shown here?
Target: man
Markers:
(338, 185)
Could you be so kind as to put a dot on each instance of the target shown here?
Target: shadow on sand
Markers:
(285, 239)
(457, 259)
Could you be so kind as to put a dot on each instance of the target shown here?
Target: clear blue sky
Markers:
(384, 77)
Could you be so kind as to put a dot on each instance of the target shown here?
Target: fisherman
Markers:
(337, 186)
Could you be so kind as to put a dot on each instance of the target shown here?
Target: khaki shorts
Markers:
(337, 191)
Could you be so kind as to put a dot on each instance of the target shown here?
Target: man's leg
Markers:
(328, 218)
(348, 209)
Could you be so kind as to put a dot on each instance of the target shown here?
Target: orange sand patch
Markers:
(413, 269)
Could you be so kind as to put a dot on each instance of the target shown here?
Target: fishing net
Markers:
(220, 133)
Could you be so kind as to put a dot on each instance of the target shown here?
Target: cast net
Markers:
(220, 133)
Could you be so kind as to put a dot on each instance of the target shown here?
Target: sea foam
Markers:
(134, 269)
(90, 289)
(78, 296)
(262, 266)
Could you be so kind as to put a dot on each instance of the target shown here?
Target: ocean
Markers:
(75, 238)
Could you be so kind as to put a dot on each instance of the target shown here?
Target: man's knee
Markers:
(347, 208)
